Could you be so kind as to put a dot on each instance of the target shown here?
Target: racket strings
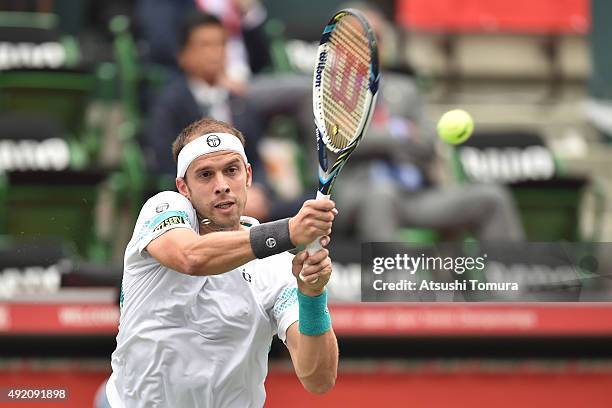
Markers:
(341, 125)
(355, 39)
(347, 40)
(344, 108)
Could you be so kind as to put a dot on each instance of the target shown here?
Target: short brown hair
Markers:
(202, 127)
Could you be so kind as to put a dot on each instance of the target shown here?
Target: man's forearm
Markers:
(316, 360)
(217, 253)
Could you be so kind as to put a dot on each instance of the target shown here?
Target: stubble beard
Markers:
(210, 224)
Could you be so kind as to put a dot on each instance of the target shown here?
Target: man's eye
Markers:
(232, 170)
(205, 174)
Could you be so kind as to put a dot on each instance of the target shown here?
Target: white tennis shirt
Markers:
(195, 341)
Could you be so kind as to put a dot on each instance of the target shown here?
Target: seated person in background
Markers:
(202, 91)
(386, 184)
(248, 45)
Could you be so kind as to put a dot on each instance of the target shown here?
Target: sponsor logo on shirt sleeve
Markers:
(167, 219)
(159, 222)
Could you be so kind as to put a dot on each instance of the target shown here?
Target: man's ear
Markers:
(249, 171)
(182, 187)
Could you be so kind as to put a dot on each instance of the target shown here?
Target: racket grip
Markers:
(315, 245)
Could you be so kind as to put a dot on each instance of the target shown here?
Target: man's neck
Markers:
(207, 226)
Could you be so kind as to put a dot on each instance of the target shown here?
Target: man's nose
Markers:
(222, 186)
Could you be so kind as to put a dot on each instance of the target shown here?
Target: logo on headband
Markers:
(213, 140)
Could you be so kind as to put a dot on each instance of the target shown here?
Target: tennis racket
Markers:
(344, 89)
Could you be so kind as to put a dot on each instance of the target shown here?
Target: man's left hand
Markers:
(319, 264)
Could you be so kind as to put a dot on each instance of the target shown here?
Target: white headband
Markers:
(205, 144)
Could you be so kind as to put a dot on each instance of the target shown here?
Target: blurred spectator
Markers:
(204, 90)
(393, 165)
(159, 22)
(248, 44)
(40, 6)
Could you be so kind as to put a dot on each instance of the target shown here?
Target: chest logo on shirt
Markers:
(246, 276)
(213, 141)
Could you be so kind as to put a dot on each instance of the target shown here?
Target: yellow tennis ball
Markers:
(455, 126)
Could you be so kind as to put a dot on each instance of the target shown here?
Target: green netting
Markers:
(549, 214)
(65, 212)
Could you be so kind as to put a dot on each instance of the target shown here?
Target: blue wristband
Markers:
(314, 316)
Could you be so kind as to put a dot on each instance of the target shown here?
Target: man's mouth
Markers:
(223, 205)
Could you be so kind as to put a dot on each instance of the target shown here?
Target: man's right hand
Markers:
(312, 221)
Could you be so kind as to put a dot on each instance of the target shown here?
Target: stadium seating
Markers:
(33, 41)
(548, 200)
(544, 54)
(47, 148)
(63, 94)
(42, 72)
(50, 191)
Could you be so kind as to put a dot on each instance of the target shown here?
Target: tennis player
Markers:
(205, 289)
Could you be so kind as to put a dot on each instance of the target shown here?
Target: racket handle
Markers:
(315, 245)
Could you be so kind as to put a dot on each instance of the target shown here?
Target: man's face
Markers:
(217, 184)
(203, 56)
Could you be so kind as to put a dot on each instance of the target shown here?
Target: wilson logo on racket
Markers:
(320, 68)
(343, 66)
(213, 141)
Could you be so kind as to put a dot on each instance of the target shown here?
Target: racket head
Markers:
(345, 80)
